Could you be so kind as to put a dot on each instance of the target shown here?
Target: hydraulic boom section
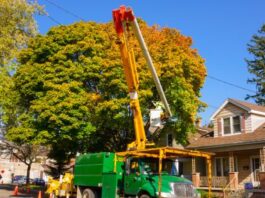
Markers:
(123, 18)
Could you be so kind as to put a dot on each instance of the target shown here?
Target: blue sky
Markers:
(220, 30)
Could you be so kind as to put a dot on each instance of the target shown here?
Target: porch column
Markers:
(196, 179)
(233, 179)
(231, 162)
(195, 176)
(262, 159)
(233, 176)
(193, 165)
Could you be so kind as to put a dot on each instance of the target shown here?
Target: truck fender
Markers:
(149, 189)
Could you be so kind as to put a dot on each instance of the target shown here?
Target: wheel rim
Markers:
(85, 195)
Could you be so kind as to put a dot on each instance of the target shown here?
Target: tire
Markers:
(88, 193)
(53, 195)
(144, 196)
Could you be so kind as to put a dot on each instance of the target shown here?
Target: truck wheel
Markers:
(88, 193)
(144, 196)
(53, 195)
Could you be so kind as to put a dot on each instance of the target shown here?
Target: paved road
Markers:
(6, 191)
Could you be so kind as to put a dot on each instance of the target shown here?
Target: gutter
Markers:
(226, 145)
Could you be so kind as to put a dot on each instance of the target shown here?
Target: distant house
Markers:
(11, 166)
(238, 140)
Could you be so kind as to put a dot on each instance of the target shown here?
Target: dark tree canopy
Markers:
(72, 86)
(256, 65)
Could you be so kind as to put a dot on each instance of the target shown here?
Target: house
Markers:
(11, 166)
(238, 141)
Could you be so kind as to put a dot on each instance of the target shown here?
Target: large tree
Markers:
(73, 83)
(256, 65)
(17, 27)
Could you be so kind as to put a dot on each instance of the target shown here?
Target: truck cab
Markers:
(142, 179)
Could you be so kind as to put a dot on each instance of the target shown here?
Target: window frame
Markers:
(231, 120)
(222, 165)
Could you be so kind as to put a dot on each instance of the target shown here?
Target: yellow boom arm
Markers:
(122, 18)
(133, 84)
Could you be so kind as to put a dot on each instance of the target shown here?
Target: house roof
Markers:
(200, 132)
(246, 138)
(249, 107)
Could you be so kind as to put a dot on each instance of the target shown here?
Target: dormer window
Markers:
(231, 125)
(236, 124)
(227, 126)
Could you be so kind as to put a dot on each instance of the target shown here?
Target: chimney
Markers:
(198, 122)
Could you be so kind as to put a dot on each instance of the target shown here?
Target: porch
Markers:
(217, 182)
(231, 170)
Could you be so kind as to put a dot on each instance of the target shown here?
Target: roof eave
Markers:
(229, 100)
(257, 112)
(227, 145)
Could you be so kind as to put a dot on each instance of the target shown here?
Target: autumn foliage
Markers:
(73, 84)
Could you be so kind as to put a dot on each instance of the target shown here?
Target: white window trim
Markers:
(251, 167)
(222, 165)
(231, 125)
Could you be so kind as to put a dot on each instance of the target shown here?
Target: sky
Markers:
(220, 29)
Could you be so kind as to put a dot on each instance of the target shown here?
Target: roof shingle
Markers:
(257, 136)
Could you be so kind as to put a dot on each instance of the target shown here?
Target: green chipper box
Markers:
(98, 172)
(104, 175)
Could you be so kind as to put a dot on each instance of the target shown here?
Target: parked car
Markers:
(38, 181)
(20, 179)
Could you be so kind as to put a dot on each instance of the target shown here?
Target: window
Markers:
(222, 166)
(231, 125)
(227, 128)
(134, 167)
(236, 124)
(255, 167)
(169, 140)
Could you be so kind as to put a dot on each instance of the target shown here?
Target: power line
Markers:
(77, 16)
(65, 10)
(81, 18)
(231, 84)
(53, 19)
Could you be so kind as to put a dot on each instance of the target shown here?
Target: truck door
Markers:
(132, 178)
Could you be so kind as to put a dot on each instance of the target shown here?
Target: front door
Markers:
(255, 167)
(132, 178)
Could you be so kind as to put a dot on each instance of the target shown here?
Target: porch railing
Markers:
(217, 182)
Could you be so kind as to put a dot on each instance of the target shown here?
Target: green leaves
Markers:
(256, 65)
(17, 26)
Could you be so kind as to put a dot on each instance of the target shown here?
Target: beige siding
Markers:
(230, 110)
(256, 121)
(244, 169)
(248, 124)
(243, 164)
(162, 141)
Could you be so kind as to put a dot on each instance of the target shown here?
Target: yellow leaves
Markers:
(17, 26)
(94, 97)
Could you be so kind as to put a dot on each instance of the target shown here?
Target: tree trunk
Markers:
(28, 173)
